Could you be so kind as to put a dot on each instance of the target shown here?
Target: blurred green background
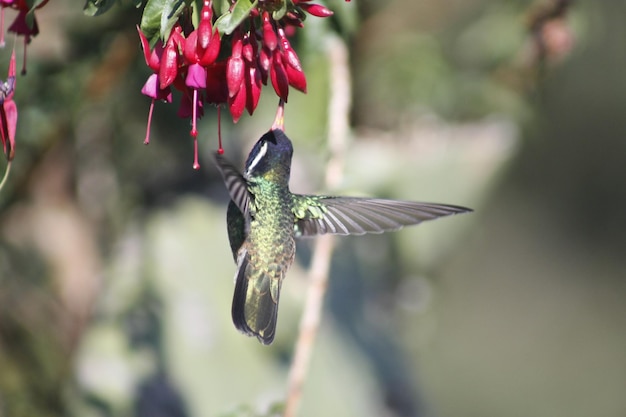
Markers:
(115, 272)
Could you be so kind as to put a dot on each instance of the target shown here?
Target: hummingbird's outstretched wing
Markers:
(316, 215)
(240, 199)
(237, 228)
(235, 183)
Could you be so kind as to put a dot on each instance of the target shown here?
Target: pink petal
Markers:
(9, 120)
(196, 76)
(190, 50)
(211, 53)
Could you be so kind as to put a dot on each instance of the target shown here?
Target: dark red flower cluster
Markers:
(25, 23)
(231, 69)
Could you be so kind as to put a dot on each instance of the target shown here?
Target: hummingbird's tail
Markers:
(255, 303)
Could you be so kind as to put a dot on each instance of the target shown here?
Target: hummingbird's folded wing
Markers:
(235, 183)
(316, 215)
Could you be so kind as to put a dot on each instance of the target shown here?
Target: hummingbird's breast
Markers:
(270, 240)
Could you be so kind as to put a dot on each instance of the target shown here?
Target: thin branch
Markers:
(338, 130)
(7, 171)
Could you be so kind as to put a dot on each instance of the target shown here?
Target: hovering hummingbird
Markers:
(264, 217)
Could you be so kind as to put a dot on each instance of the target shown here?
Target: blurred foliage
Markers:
(115, 275)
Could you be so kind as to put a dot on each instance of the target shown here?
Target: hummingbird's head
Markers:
(272, 151)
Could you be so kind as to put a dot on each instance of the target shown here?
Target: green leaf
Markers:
(229, 21)
(159, 16)
(169, 17)
(34, 4)
(97, 7)
(221, 7)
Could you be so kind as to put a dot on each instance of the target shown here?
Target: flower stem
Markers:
(220, 150)
(6, 175)
(146, 141)
(338, 130)
(24, 57)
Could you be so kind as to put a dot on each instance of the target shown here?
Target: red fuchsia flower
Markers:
(21, 25)
(253, 79)
(242, 76)
(8, 111)
(230, 69)
(152, 87)
(201, 49)
(291, 62)
(171, 58)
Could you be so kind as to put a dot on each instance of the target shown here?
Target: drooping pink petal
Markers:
(196, 76)
(168, 70)
(153, 57)
(190, 49)
(212, 51)
(12, 66)
(169, 66)
(151, 87)
(8, 114)
(152, 90)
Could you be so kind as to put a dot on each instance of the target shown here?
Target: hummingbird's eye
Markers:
(257, 158)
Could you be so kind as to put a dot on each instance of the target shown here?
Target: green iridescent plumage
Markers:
(264, 217)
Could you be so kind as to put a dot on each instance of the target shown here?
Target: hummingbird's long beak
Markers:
(279, 120)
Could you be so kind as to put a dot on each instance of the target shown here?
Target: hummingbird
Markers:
(264, 217)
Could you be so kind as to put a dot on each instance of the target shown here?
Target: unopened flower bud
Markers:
(278, 75)
(316, 10)
(269, 35)
(234, 74)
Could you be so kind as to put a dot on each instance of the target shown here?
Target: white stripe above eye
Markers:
(257, 158)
